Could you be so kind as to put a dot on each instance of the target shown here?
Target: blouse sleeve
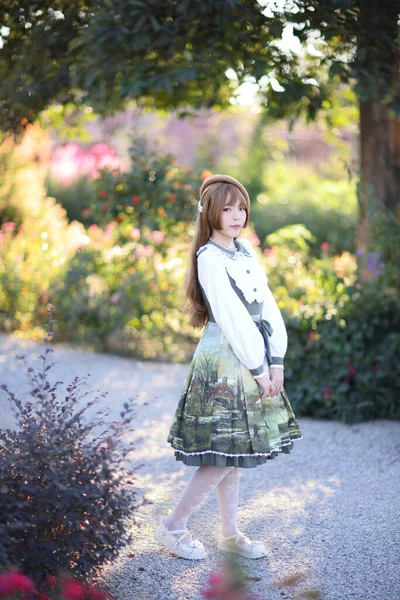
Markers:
(278, 340)
(230, 313)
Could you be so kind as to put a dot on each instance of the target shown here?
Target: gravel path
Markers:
(329, 511)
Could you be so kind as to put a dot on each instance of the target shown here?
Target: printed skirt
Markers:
(220, 418)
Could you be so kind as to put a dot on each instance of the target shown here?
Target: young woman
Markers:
(233, 412)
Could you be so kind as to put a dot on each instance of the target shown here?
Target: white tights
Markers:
(199, 486)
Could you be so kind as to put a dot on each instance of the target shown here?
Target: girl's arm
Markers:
(278, 340)
(230, 313)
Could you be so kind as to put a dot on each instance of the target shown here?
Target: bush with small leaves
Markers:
(66, 490)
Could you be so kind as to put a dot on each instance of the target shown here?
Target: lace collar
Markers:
(233, 255)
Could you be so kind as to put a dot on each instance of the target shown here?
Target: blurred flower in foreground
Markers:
(229, 583)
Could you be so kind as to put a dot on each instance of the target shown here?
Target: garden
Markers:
(101, 162)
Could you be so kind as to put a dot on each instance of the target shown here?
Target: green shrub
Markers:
(155, 192)
(295, 194)
(75, 197)
(35, 245)
(347, 367)
(126, 297)
(344, 339)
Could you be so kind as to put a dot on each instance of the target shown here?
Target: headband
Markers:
(221, 178)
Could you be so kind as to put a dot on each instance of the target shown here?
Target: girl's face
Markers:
(232, 220)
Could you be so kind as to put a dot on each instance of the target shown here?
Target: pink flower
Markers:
(73, 590)
(8, 226)
(215, 579)
(158, 237)
(254, 239)
(350, 374)
(109, 229)
(325, 246)
(15, 582)
(115, 297)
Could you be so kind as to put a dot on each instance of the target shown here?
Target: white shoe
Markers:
(193, 549)
(242, 545)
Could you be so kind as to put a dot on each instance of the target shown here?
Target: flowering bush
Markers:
(344, 338)
(154, 192)
(66, 490)
(36, 243)
(71, 175)
(14, 584)
(126, 297)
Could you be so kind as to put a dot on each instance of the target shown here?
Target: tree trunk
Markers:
(379, 127)
(379, 163)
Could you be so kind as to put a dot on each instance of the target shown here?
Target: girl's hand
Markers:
(276, 375)
(267, 386)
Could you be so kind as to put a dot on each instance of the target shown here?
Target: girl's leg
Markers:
(228, 497)
(202, 482)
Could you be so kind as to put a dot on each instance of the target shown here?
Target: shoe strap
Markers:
(176, 531)
(191, 544)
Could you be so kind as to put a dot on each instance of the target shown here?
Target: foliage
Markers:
(71, 174)
(125, 297)
(36, 243)
(67, 491)
(155, 192)
(295, 194)
(384, 251)
(344, 339)
(13, 585)
(159, 53)
(75, 197)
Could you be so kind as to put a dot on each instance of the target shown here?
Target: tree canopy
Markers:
(176, 54)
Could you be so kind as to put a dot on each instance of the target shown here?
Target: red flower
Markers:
(172, 198)
(311, 335)
(105, 206)
(377, 368)
(135, 199)
(102, 194)
(15, 582)
(325, 394)
(73, 590)
(350, 374)
(51, 581)
(325, 246)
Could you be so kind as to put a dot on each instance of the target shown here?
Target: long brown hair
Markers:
(215, 197)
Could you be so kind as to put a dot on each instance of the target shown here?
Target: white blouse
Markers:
(237, 325)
